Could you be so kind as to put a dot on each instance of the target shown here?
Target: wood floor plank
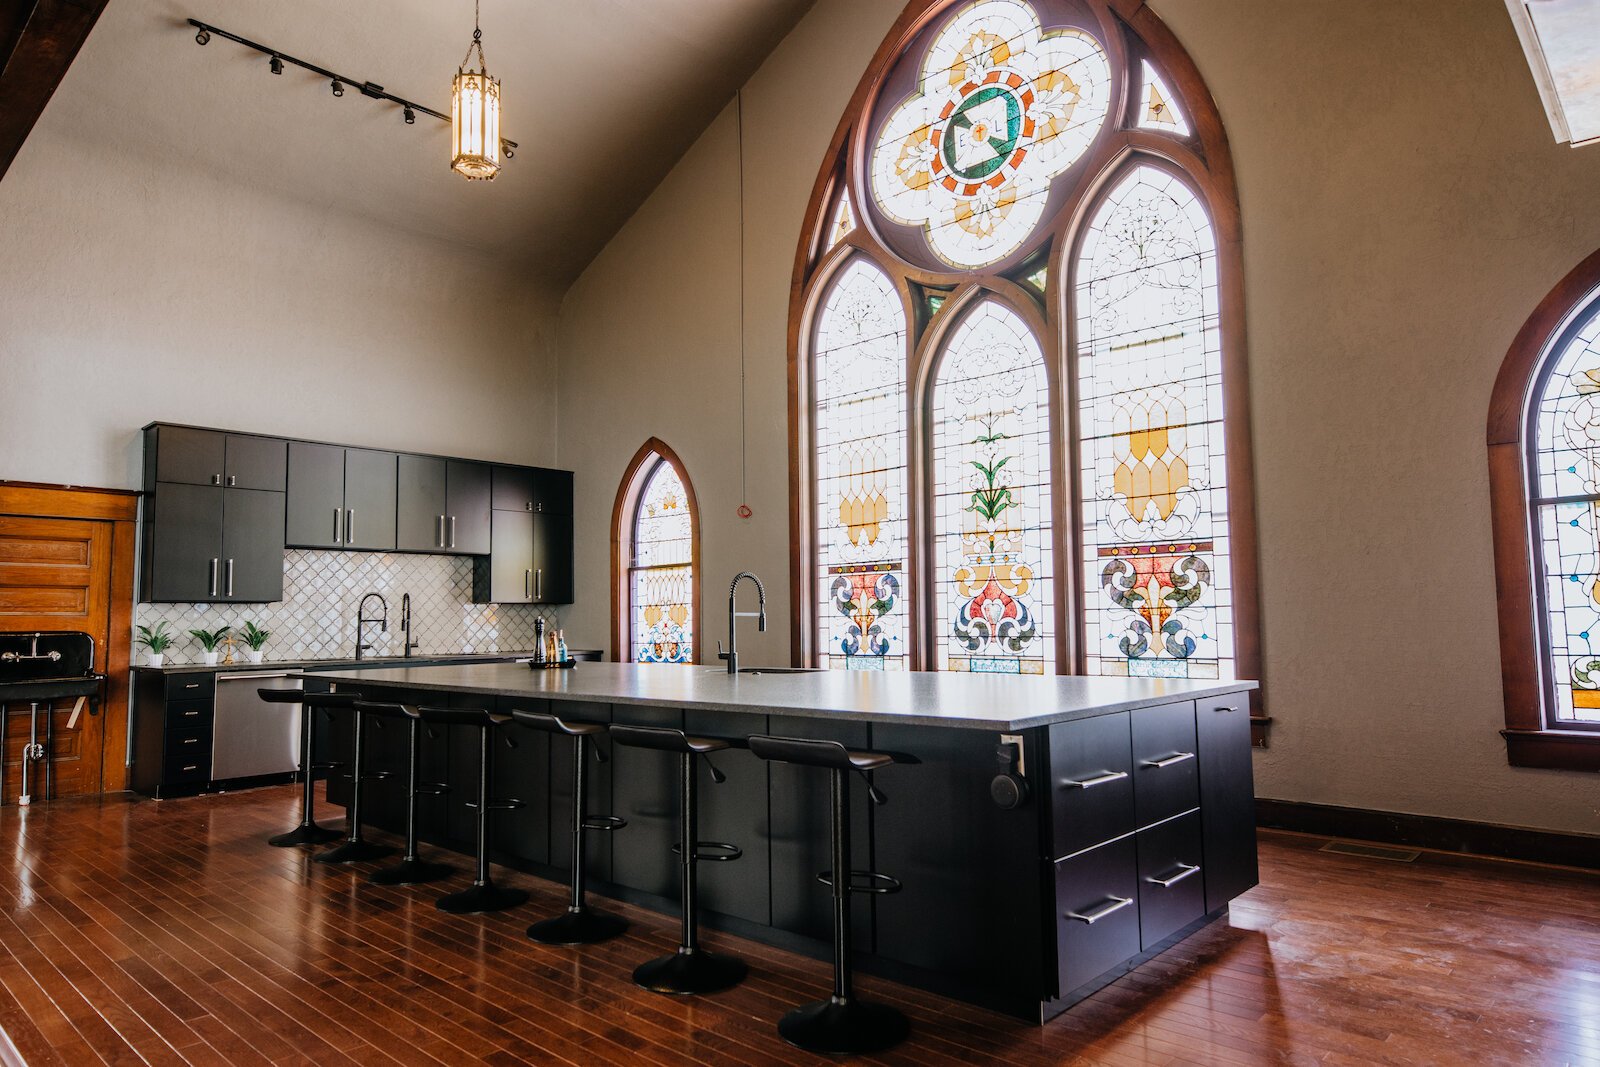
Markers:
(166, 933)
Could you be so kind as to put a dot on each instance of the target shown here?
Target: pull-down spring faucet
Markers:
(760, 615)
(362, 621)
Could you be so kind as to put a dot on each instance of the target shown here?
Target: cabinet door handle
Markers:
(1176, 757)
(216, 479)
(527, 584)
(452, 531)
(233, 479)
(1224, 707)
(230, 577)
(338, 527)
(214, 563)
(1089, 783)
(538, 583)
(438, 539)
(349, 525)
(1110, 907)
(1184, 871)
(529, 505)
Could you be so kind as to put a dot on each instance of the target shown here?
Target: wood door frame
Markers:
(120, 508)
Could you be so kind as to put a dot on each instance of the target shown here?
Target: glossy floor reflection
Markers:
(172, 933)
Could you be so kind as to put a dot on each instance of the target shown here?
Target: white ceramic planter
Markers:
(252, 655)
(156, 659)
(208, 658)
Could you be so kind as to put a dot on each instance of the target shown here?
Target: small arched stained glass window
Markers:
(661, 571)
(992, 511)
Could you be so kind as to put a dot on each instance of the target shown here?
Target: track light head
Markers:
(508, 148)
(410, 116)
(202, 37)
(277, 65)
(338, 87)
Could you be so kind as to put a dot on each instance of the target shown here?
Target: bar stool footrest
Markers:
(604, 822)
(504, 804)
(712, 851)
(432, 789)
(864, 882)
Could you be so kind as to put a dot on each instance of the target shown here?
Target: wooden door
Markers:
(55, 574)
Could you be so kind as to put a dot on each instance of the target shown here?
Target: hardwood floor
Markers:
(170, 933)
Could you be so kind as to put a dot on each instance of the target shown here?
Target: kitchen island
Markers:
(1051, 833)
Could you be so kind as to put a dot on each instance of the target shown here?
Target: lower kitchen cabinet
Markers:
(1097, 912)
(1171, 887)
(173, 717)
(1227, 797)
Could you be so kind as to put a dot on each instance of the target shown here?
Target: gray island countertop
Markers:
(969, 701)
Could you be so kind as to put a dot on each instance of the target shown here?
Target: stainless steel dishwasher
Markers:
(252, 737)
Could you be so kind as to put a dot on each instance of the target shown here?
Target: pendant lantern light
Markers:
(475, 115)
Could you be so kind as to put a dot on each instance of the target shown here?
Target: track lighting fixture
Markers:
(485, 114)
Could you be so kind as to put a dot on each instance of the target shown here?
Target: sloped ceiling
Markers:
(602, 95)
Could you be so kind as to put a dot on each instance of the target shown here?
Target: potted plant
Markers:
(254, 637)
(156, 640)
(209, 640)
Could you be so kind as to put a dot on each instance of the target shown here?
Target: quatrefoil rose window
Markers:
(1001, 109)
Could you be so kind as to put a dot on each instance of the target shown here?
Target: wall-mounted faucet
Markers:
(732, 655)
(362, 621)
(405, 625)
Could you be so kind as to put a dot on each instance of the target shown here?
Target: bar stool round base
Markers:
(580, 927)
(354, 852)
(481, 897)
(685, 973)
(828, 1026)
(411, 872)
(306, 834)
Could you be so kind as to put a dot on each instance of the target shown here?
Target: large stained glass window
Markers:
(1000, 108)
(1567, 511)
(859, 393)
(1154, 492)
(661, 570)
(990, 421)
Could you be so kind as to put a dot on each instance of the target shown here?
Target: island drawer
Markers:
(1091, 782)
(187, 714)
(1097, 912)
(188, 756)
(196, 685)
(1171, 884)
(1165, 782)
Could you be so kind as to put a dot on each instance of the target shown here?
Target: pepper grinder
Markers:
(538, 640)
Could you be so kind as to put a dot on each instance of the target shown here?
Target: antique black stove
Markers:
(38, 668)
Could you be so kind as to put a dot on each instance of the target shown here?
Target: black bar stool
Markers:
(308, 832)
(412, 869)
(691, 969)
(580, 925)
(842, 1023)
(483, 895)
(356, 848)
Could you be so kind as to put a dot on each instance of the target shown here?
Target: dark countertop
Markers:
(921, 698)
(428, 659)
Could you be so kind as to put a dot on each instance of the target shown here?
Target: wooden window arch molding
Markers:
(1198, 156)
(624, 518)
(1534, 737)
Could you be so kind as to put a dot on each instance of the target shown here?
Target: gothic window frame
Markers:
(624, 518)
(1532, 735)
(1130, 34)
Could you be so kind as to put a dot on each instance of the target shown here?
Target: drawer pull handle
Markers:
(191, 740)
(192, 767)
(191, 685)
(1176, 757)
(1089, 783)
(1184, 871)
(1110, 907)
(1224, 707)
(190, 714)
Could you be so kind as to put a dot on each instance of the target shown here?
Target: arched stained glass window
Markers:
(1155, 504)
(1566, 507)
(656, 539)
(992, 512)
(1014, 347)
(859, 393)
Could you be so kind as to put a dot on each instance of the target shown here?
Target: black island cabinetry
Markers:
(1123, 825)
(221, 507)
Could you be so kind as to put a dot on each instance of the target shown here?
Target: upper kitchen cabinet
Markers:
(552, 491)
(513, 488)
(443, 506)
(183, 455)
(341, 497)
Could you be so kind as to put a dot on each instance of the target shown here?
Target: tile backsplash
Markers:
(321, 590)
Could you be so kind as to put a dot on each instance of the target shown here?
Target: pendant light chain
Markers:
(477, 39)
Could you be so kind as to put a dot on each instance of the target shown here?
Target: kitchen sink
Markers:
(769, 670)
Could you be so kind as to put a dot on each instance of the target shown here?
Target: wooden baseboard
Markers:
(1424, 831)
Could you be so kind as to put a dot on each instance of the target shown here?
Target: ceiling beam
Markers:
(40, 40)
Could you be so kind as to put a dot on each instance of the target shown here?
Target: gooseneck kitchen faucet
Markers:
(362, 621)
(760, 614)
(405, 625)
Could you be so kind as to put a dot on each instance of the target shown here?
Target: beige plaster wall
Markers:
(1404, 210)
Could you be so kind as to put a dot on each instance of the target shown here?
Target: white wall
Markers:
(1404, 210)
(142, 287)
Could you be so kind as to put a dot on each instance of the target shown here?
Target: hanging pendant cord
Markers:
(738, 110)
(477, 40)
